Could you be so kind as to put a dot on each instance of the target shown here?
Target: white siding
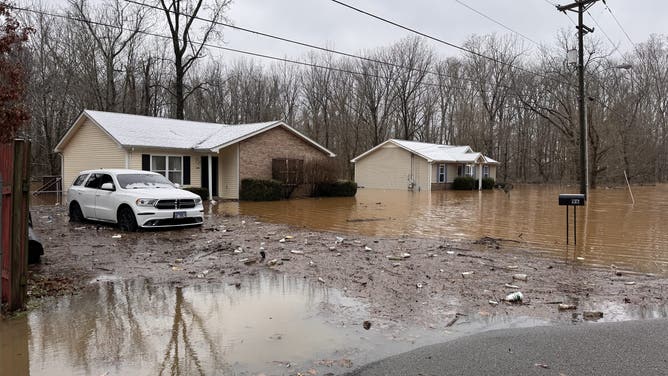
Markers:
(90, 148)
(229, 172)
(390, 167)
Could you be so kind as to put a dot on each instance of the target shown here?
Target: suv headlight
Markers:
(146, 202)
(198, 201)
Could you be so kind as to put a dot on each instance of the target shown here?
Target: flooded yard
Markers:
(611, 230)
(267, 324)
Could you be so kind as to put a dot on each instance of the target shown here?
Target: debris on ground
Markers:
(592, 315)
(514, 297)
(566, 307)
(520, 277)
(366, 324)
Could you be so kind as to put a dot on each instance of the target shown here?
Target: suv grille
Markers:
(175, 204)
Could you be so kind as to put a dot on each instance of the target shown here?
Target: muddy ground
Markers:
(439, 280)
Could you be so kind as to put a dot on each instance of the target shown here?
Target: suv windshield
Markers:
(133, 181)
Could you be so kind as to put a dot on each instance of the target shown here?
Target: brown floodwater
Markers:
(270, 324)
(611, 230)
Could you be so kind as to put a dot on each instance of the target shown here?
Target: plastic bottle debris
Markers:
(512, 267)
(450, 252)
(296, 252)
(288, 237)
(508, 285)
(514, 297)
(321, 280)
(367, 248)
(282, 240)
(466, 274)
(580, 258)
(405, 255)
(592, 315)
(566, 307)
(630, 283)
(493, 302)
(117, 236)
(272, 262)
(520, 277)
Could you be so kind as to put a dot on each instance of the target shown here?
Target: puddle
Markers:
(271, 324)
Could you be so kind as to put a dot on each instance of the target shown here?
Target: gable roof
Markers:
(434, 152)
(154, 132)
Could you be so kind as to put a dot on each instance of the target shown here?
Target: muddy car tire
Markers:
(75, 213)
(126, 219)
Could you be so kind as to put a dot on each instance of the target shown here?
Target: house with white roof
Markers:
(419, 166)
(210, 155)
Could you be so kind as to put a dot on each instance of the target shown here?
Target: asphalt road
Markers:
(625, 348)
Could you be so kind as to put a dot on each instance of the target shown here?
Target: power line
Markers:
(620, 25)
(497, 22)
(567, 15)
(615, 47)
(304, 44)
(436, 39)
(255, 54)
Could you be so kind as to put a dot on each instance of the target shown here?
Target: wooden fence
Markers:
(14, 205)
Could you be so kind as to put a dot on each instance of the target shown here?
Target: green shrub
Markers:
(202, 192)
(340, 188)
(464, 183)
(260, 190)
(487, 183)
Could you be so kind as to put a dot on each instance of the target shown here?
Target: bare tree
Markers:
(181, 16)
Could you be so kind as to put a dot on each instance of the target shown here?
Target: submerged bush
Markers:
(260, 190)
(340, 188)
(202, 192)
(464, 183)
(487, 183)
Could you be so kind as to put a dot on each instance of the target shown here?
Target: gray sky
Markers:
(323, 22)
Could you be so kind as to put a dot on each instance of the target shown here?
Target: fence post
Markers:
(1, 242)
(19, 251)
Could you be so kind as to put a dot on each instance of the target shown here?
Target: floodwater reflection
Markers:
(140, 328)
(610, 229)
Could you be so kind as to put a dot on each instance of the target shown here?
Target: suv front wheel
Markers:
(126, 219)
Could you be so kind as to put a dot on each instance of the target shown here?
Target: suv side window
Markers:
(94, 181)
(80, 179)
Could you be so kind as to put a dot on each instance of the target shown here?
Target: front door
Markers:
(214, 173)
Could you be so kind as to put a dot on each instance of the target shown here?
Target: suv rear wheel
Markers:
(75, 212)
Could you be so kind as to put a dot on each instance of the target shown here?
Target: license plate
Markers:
(180, 214)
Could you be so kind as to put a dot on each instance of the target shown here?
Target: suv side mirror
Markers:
(107, 186)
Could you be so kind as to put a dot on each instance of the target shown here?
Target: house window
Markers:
(469, 170)
(441, 174)
(168, 166)
(485, 171)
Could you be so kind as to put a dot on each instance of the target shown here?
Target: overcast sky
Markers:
(323, 22)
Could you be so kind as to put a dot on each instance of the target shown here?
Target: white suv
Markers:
(132, 199)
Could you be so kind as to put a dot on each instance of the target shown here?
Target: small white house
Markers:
(419, 166)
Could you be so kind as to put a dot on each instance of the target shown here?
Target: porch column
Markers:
(210, 187)
(479, 176)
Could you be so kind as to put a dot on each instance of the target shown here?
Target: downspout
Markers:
(210, 187)
(480, 176)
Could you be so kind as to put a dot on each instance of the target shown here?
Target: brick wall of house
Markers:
(256, 153)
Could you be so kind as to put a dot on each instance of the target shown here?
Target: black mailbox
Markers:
(572, 199)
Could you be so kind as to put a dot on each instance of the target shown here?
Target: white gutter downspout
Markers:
(210, 187)
(479, 176)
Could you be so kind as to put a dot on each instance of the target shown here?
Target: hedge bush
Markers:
(260, 190)
(340, 188)
(487, 183)
(202, 192)
(464, 183)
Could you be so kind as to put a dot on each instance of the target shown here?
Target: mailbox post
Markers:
(573, 200)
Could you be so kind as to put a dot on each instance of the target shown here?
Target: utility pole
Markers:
(581, 6)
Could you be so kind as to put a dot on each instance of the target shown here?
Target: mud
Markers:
(439, 280)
